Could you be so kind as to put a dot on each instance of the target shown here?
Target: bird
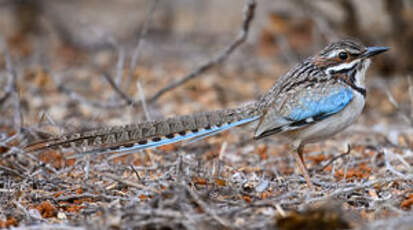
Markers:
(317, 98)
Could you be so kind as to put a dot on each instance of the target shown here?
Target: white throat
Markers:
(361, 73)
(357, 67)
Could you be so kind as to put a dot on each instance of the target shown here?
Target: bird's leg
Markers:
(300, 162)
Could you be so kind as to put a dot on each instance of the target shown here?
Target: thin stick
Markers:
(130, 183)
(405, 115)
(142, 35)
(206, 208)
(334, 159)
(387, 155)
(13, 90)
(143, 101)
(410, 81)
(75, 96)
(120, 65)
(242, 36)
(319, 18)
(117, 90)
(9, 89)
(12, 77)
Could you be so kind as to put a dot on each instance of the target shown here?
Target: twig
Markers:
(320, 20)
(206, 208)
(351, 188)
(393, 101)
(117, 90)
(157, 212)
(130, 183)
(389, 167)
(120, 65)
(142, 35)
(136, 172)
(319, 169)
(12, 77)
(351, 25)
(410, 82)
(9, 88)
(10, 171)
(24, 210)
(12, 89)
(121, 59)
(143, 101)
(242, 36)
(45, 226)
(86, 195)
(74, 96)
(286, 49)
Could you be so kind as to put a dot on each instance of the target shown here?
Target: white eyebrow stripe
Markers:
(343, 66)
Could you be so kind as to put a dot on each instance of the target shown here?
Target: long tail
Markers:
(129, 138)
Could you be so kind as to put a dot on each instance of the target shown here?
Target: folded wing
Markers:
(304, 107)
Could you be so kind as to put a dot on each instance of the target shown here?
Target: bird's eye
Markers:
(343, 55)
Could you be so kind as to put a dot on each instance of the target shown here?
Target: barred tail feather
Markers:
(190, 135)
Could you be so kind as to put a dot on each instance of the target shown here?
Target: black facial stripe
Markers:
(352, 83)
(353, 76)
(362, 91)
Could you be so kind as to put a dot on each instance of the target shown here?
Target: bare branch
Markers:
(13, 90)
(320, 20)
(117, 90)
(405, 115)
(410, 82)
(142, 35)
(143, 101)
(75, 96)
(242, 36)
(206, 208)
(12, 81)
(387, 155)
(322, 167)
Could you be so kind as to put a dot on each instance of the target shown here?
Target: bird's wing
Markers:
(302, 107)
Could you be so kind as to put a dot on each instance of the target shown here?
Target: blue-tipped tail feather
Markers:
(156, 142)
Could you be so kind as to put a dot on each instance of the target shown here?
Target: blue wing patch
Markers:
(321, 108)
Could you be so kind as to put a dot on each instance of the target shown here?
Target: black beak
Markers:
(374, 50)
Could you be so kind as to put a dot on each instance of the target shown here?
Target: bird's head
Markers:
(345, 55)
